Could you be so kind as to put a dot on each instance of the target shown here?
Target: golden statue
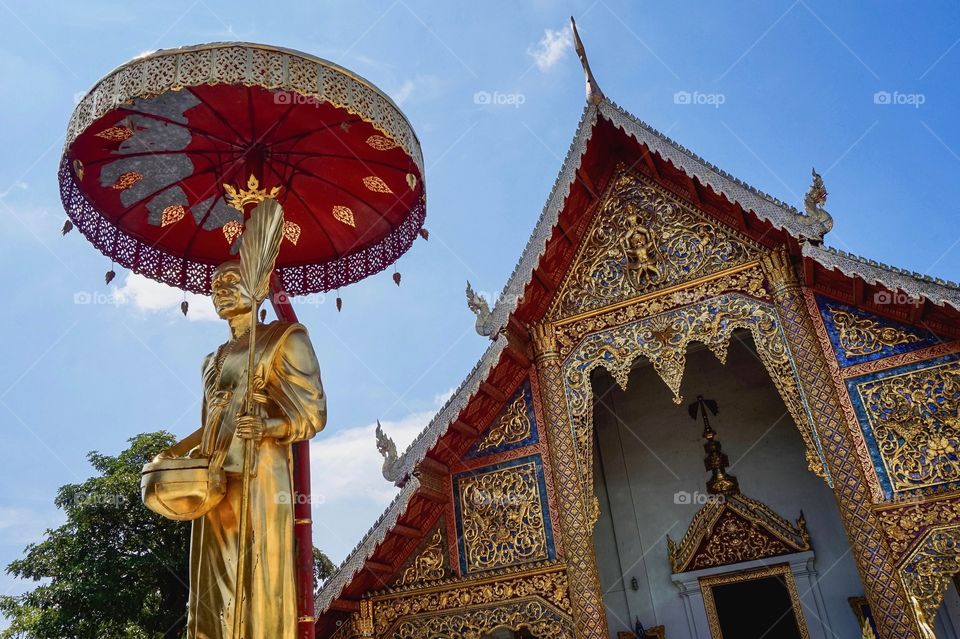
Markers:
(639, 250)
(288, 405)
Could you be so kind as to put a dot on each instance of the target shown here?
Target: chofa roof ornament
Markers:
(594, 94)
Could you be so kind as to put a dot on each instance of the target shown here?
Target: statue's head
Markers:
(230, 297)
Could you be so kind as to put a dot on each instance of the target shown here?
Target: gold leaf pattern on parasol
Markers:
(411, 181)
(116, 133)
(291, 231)
(376, 185)
(381, 143)
(253, 194)
(231, 230)
(172, 214)
(345, 215)
(126, 180)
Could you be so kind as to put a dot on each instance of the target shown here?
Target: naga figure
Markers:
(817, 217)
(388, 450)
(481, 309)
(289, 406)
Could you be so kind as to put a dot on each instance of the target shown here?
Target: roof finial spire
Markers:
(594, 94)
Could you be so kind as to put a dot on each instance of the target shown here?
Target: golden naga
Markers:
(237, 468)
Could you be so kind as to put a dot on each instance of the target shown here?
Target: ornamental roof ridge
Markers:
(403, 474)
(422, 444)
(768, 208)
(353, 564)
(935, 289)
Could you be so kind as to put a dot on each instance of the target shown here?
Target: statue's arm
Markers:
(299, 391)
(184, 446)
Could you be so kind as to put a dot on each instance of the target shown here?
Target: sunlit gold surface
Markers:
(290, 406)
(644, 239)
(503, 521)
(535, 598)
(512, 427)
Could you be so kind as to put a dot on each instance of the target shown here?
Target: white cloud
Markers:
(346, 466)
(149, 296)
(402, 94)
(551, 47)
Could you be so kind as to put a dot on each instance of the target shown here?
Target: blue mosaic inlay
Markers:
(509, 523)
(854, 386)
(514, 427)
(858, 336)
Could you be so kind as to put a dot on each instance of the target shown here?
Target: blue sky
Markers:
(776, 87)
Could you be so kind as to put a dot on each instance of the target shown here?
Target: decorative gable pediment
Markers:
(428, 562)
(732, 529)
(858, 336)
(644, 239)
(514, 427)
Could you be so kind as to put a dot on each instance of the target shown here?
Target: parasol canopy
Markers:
(165, 154)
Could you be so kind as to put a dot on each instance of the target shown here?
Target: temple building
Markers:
(694, 420)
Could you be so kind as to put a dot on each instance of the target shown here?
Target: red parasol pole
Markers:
(302, 514)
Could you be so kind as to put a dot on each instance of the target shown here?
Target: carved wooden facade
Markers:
(640, 261)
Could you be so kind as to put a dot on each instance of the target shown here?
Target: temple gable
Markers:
(644, 239)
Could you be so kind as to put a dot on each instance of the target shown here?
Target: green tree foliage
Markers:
(323, 568)
(114, 569)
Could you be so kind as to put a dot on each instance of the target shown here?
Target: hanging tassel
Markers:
(396, 278)
(263, 315)
(67, 227)
(184, 307)
(109, 275)
(339, 304)
(424, 233)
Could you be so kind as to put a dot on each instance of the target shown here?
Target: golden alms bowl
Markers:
(182, 488)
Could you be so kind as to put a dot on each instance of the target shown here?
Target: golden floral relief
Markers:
(429, 565)
(863, 336)
(502, 518)
(645, 239)
(512, 427)
(913, 418)
(409, 610)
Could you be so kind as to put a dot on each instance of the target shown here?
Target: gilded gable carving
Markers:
(428, 564)
(734, 528)
(644, 239)
(513, 428)
(909, 420)
(502, 517)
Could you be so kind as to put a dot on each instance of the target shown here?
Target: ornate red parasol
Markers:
(167, 154)
(163, 153)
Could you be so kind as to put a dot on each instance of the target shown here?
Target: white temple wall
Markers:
(650, 477)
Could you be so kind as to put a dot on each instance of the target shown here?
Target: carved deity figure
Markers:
(639, 250)
(289, 406)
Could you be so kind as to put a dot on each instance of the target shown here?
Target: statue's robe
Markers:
(288, 367)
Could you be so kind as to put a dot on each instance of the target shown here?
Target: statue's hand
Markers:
(250, 427)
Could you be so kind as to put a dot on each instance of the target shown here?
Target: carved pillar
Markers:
(361, 621)
(878, 572)
(586, 597)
